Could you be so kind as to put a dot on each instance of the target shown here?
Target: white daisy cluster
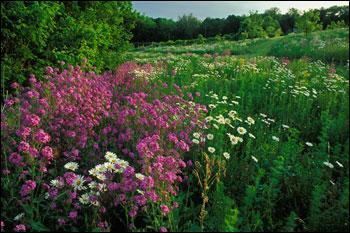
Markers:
(113, 165)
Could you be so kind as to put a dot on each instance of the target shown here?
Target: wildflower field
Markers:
(248, 135)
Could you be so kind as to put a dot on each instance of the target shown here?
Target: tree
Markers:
(165, 29)
(187, 27)
(271, 26)
(309, 22)
(211, 27)
(252, 26)
(36, 34)
(144, 29)
(232, 24)
(287, 21)
(333, 15)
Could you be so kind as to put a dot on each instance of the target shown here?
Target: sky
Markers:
(221, 9)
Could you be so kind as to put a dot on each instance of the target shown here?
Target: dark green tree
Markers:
(309, 22)
(187, 27)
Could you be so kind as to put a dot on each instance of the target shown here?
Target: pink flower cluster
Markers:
(78, 116)
(27, 187)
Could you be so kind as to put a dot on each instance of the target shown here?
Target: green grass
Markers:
(268, 185)
(328, 46)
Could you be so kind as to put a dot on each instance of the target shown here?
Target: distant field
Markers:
(328, 46)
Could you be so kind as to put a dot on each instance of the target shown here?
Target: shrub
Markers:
(39, 34)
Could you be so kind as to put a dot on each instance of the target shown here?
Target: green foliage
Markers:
(271, 23)
(39, 34)
(187, 27)
(335, 25)
(231, 221)
(252, 26)
(291, 223)
(309, 22)
(223, 215)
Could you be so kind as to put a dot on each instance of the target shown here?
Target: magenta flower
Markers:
(73, 214)
(47, 153)
(33, 152)
(163, 229)
(27, 187)
(133, 212)
(15, 159)
(113, 186)
(182, 145)
(53, 193)
(20, 228)
(70, 177)
(165, 209)
(23, 146)
(175, 204)
(14, 85)
(23, 132)
(42, 137)
(32, 119)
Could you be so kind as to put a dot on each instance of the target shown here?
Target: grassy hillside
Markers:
(328, 46)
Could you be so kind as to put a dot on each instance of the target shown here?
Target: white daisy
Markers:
(101, 177)
(210, 137)
(93, 172)
(309, 144)
(226, 155)
(255, 159)
(275, 138)
(140, 191)
(109, 166)
(227, 121)
(195, 141)
(71, 166)
(110, 155)
(211, 149)
(84, 199)
(139, 176)
(122, 163)
(241, 130)
(18, 217)
(55, 183)
(328, 164)
(209, 118)
(339, 164)
(92, 185)
(250, 121)
(100, 168)
(78, 183)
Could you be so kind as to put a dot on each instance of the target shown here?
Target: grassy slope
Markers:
(328, 46)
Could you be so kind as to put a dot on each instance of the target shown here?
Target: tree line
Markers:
(271, 23)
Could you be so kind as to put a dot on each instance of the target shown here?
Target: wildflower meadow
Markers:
(228, 135)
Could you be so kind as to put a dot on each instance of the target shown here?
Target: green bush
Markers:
(38, 34)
